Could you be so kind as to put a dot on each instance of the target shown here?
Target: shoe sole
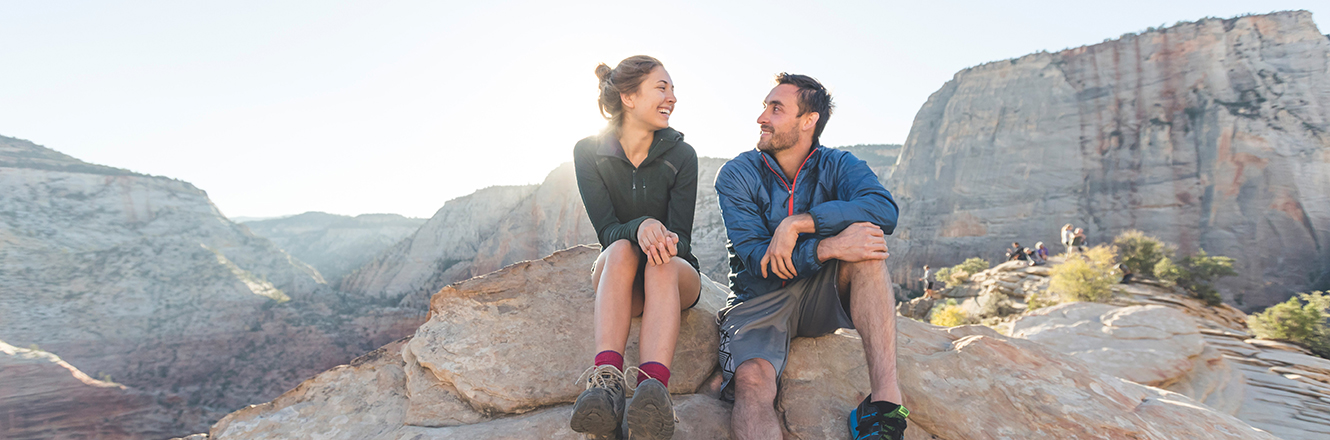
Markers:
(593, 415)
(651, 414)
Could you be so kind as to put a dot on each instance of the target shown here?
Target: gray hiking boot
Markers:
(598, 412)
(651, 415)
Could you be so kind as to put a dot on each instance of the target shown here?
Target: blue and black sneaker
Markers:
(870, 421)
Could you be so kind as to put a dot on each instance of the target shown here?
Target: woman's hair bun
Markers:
(603, 72)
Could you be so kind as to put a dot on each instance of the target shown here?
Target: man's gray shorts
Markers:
(762, 327)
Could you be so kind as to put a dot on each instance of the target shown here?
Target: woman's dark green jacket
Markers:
(618, 197)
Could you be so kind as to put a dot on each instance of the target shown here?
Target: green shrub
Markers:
(1296, 322)
(1140, 252)
(960, 273)
(948, 314)
(1087, 277)
(1195, 272)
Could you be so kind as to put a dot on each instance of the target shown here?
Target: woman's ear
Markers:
(627, 100)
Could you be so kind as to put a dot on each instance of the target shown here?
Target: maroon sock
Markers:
(655, 370)
(610, 357)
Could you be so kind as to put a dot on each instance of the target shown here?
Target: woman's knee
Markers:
(622, 252)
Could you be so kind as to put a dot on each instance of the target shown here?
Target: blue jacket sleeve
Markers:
(860, 198)
(746, 227)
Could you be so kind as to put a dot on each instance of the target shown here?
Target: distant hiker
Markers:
(1078, 240)
(928, 282)
(1126, 273)
(1067, 236)
(1015, 253)
(806, 228)
(1030, 256)
(1041, 252)
(638, 180)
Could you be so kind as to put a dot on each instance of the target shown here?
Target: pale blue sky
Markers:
(278, 108)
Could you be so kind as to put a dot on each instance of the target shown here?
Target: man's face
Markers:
(780, 119)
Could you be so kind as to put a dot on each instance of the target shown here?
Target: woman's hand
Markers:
(657, 242)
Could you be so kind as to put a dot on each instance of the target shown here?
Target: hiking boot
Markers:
(598, 412)
(651, 415)
(868, 423)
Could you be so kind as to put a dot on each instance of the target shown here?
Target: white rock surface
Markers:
(1150, 345)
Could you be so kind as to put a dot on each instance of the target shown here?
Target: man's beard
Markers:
(778, 141)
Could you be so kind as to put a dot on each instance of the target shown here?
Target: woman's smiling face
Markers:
(654, 101)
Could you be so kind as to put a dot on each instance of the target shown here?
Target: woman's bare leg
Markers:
(618, 294)
(669, 288)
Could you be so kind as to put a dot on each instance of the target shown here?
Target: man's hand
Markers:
(657, 242)
(781, 249)
(860, 242)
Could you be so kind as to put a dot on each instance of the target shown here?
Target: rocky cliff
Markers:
(1213, 134)
(140, 279)
(335, 244)
(497, 358)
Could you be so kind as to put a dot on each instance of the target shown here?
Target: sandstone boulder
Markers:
(961, 383)
(535, 316)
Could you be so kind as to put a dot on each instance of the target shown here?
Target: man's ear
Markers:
(809, 121)
(627, 100)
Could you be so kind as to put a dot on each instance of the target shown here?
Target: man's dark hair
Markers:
(813, 97)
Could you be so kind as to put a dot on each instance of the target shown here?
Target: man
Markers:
(807, 256)
(928, 282)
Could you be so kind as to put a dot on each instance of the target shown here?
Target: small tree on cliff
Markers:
(960, 273)
(1300, 320)
(1086, 277)
(1195, 272)
(1140, 252)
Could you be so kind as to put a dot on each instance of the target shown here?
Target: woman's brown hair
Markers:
(626, 78)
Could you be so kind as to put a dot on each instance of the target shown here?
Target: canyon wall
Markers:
(139, 279)
(1212, 135)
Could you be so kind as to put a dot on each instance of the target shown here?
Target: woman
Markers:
(638, 180)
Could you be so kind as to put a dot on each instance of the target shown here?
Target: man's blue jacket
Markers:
(832, 185)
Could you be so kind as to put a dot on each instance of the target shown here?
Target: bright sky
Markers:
(277, 108)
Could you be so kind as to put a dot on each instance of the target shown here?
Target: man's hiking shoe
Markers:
(651, 414)
(598, 412)
(869, 423)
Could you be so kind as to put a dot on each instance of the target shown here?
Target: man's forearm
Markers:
(826, 250)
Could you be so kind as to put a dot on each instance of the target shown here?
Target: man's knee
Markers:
(755, 379)
(872, 268)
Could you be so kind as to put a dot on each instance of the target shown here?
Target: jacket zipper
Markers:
(789, 186)
(634, 176)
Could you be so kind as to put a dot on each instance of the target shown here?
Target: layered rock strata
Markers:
(460, 377)
(1213, 135)
(43, 397)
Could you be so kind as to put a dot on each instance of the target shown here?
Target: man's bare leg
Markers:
(754, 414)
(873, 310)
